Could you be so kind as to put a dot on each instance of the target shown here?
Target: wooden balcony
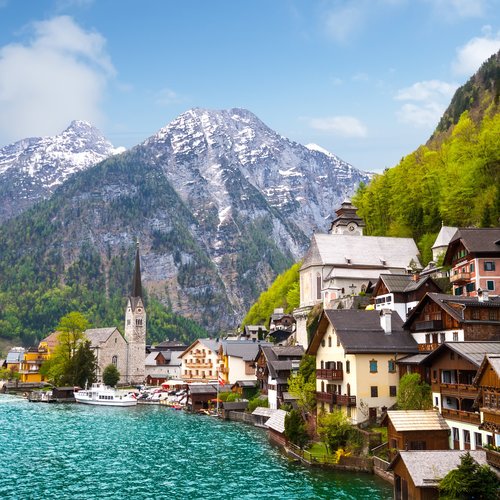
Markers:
(491, 415)
(325, 397)
(493, 458)
(198, 365)
(433, 324)
(345, 400)
(460, 278)
(462, 416)
(328, 374)
(459, 390)
(427, 347)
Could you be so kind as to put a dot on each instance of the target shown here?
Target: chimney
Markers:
(386, 320)
(415, 276)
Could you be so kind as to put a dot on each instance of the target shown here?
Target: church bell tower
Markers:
(135, 327)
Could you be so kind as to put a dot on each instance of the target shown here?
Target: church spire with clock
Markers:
(135, 327)
(347, 221)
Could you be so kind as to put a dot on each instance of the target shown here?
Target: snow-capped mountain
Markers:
(32, 168)
(303, 183)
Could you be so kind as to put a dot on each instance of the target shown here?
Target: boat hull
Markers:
(117, 402)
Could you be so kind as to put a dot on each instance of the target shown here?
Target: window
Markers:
(323, 343)
(329, 341)
(478, 439)
(391, 366)
(475, 314)
(442, 338)
(472, 267)
(373, 366)
(455, 336)
(456, 434)
(114, 360)
(459, 290)
(427, 338)
(128, 322)
(138, 322)
(470, 287)
(374, 391)
(392, 391)
(318, 286)
(417, 445)
(490, 285)
(489, 266)
(348, 367)
(466, 436)
(493, 315)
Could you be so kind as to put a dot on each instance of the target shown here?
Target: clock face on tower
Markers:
(351, 227)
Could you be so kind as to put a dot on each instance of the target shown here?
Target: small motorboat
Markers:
(100, 394)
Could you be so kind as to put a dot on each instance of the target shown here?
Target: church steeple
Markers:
(136, 281)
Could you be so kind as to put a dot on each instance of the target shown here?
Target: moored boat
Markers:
(100, 394)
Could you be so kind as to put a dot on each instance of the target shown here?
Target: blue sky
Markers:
(365, 79)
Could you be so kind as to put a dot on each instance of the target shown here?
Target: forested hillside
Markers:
(453, 180)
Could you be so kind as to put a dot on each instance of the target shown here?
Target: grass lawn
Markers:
(318, 449)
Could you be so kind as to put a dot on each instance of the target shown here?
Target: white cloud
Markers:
(59, 76)
(429, 100)
(167, 96)
(423, 91)
(344, 126)
(470, 57)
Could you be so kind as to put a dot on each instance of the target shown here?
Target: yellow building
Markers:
(356, 353)
(33, 357)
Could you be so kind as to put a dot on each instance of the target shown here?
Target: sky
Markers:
(365, 79)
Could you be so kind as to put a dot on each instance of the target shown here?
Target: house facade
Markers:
(401, 292)
(200, 361)
(237, 360)
(356, 354)
(474, 255)
(274, 365)
(440, 318)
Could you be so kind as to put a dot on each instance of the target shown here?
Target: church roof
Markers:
(446, 233)
(353, 251)
(99, 335)
(136, 281)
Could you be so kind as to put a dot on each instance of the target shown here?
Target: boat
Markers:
(103, 395)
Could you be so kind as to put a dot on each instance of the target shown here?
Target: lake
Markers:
(149, 452)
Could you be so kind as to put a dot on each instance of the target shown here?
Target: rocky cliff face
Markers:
(31, 169)
(219, 202)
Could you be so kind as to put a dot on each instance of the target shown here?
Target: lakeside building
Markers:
(274, 365)
(474, 255)
(345, 262)
(199, 362)
(416, 430)
(356, 353)
(417, 473)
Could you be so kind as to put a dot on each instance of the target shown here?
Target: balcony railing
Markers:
(427, 347)
(199, 365)
(433, 324)
(461, 416)
(328, 374)
(459, 389)
(345, 400)
(325, 397)
(460, 278)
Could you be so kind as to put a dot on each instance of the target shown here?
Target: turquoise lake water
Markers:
(150, 452)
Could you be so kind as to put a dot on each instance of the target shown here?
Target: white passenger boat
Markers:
(100, 394)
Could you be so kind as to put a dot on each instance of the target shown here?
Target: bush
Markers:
(256, 402)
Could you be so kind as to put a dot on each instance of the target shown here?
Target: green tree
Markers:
(413, 394)
(84, 365)
(334, 430)
(64, 368)
(256, 402)
(302, 385)
(469, 481)
(111, 375)
(295, 428)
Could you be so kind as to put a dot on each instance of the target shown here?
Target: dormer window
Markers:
(348, 261)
